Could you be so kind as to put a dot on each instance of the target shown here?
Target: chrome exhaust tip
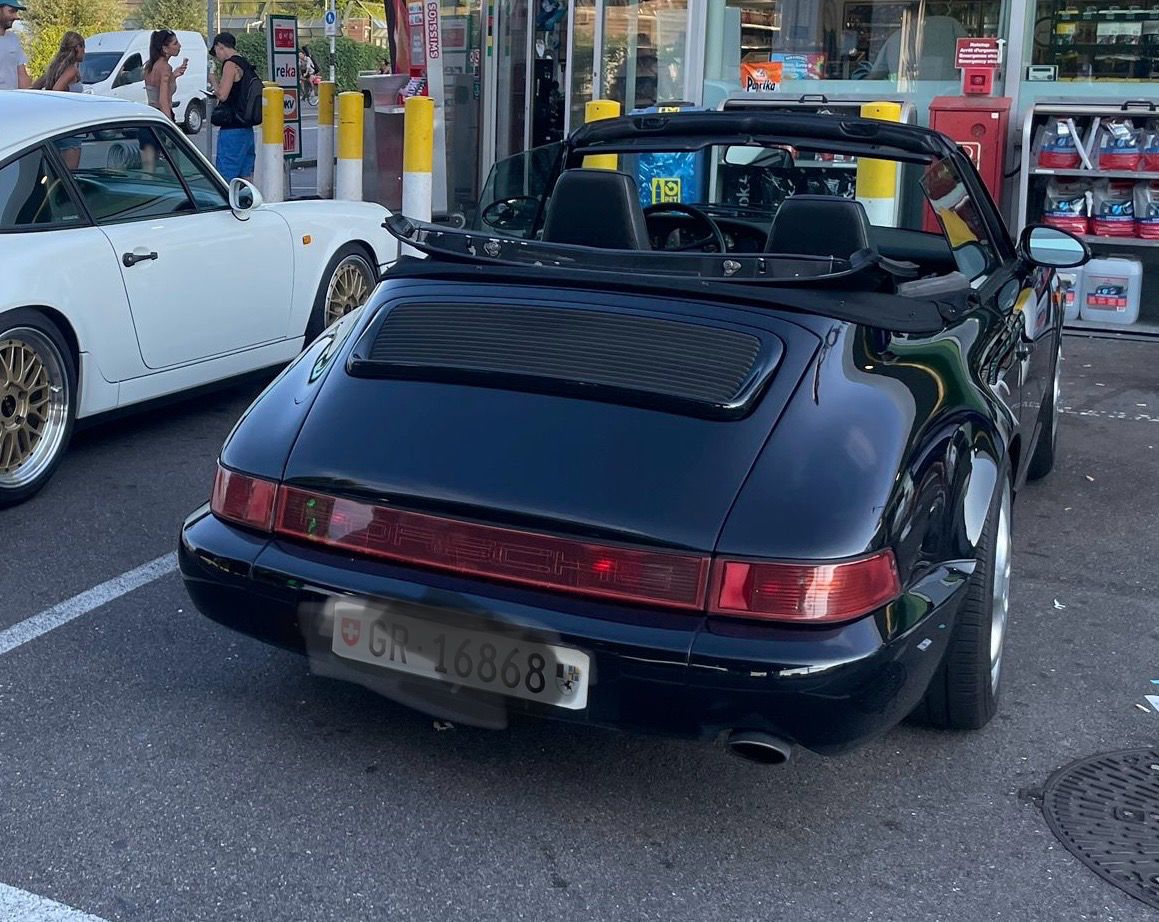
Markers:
(758, 746)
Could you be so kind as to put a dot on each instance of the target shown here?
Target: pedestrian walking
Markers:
(13, 62)
(63, 76)
(239, 108)
(63, 72)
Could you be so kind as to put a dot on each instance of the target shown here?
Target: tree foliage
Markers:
(173, 14)
(48, 20)
(352, 57)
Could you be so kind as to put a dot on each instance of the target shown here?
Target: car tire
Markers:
(194, 117)
(38, 394)
(1042, 461)
(963, 694)
(348, 281)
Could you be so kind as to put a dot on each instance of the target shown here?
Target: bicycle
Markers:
(310, 90)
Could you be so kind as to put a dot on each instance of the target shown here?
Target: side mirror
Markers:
(1053, 247)
(243, 198)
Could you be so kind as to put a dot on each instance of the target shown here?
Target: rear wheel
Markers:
(194, 116)
(37, 403)
(347, 282)
(1042, 461)
(964, 692)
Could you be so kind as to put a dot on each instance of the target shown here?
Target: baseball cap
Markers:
(15, 4)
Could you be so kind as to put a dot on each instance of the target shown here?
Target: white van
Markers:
(114, 65)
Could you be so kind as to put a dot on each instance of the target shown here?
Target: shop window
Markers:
(643, 58)
(1091, 40)
(843, 39)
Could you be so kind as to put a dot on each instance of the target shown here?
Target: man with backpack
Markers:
(238, 111)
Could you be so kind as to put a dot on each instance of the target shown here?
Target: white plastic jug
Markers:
(1070, 287)
(1112, 288)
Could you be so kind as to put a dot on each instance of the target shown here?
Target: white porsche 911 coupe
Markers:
(133, 271)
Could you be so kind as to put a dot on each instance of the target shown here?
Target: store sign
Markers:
(434, 41)
(290, 104)
(978, 52)
(282, 54)
(285, 38)
(666, 189)
(761, 78)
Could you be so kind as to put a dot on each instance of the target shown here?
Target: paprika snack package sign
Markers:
(1113, 208)
(1147, 209)
(1067, 206)
(763, 77)
(1119, 145)
(1057, 149)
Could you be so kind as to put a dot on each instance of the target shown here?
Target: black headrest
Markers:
(819, 225)
(596, 208)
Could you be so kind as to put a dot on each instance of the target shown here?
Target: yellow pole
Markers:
(273, 144)
(325, 171)
(348, 183)
(594, 111)
(418, 158)
(877, 179)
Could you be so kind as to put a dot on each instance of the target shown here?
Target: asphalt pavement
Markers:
(156, 766)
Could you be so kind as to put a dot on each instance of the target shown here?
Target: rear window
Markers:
(33, 196)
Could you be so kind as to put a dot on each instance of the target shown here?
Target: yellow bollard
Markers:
(418, 156)
(272, 153)
(594, 111)
(326, 91)
(348, 175)
(877, 179)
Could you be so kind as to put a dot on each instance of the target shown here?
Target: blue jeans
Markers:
(235, 153)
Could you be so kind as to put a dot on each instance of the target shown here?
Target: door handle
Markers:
(131, 259)
(1023, 350)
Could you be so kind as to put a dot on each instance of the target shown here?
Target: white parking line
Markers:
(19, 906)
(1111, 414)
(66, 611)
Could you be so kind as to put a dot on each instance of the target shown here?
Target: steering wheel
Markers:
(715, 235)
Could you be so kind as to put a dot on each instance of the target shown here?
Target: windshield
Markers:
(727, 198)
(97, 66)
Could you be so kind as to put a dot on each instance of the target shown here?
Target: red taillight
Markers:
(243, 500)
(530, 558)
(811, 593)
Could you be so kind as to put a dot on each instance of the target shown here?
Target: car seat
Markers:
(819, 225)
(596, 208)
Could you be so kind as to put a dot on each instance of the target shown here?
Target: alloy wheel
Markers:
(1001, 603)
(34, 403)
(350, 286)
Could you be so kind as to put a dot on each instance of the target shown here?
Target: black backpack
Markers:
(248, 99)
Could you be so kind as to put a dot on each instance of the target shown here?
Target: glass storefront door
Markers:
(527, 68)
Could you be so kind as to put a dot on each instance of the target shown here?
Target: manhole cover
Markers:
(1105, 810)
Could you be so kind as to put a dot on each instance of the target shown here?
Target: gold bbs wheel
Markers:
(35, 409)
(350, 285)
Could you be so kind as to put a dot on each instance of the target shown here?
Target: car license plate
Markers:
(505, 665)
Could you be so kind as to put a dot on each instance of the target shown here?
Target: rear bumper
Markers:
(827, 689)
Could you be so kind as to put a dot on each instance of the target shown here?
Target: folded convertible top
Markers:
(519, 262)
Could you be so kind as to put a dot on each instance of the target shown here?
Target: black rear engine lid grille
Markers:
(602, 355)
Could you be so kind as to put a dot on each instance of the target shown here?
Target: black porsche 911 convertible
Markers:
(694, 438)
